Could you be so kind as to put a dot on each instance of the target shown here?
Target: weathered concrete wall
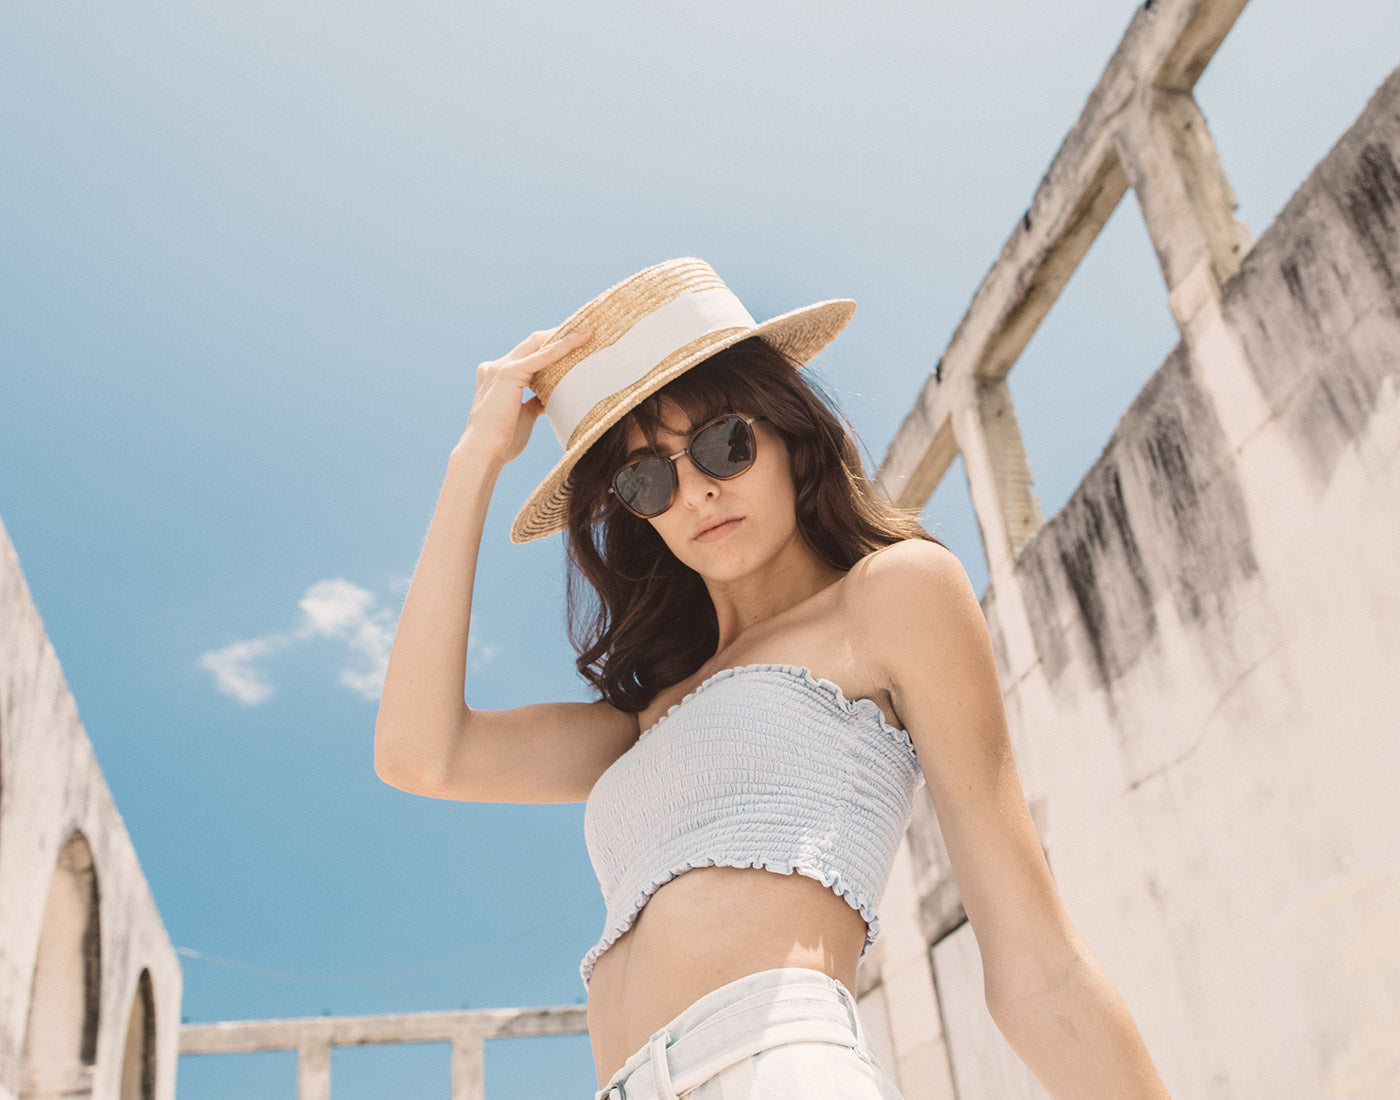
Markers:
(1210, 730)
(78, 927)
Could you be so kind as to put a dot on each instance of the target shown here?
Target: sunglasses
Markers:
(721, 449)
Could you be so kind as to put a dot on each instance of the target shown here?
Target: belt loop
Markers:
(854, 1008)
(660, 1067)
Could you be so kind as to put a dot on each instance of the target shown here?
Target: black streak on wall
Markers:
(1372, 205)
(1317, 298)
(1159, 516)
(1102, 568)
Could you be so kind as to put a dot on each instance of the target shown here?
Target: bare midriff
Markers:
(704, 929)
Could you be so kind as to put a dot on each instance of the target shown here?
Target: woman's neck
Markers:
(789, 579)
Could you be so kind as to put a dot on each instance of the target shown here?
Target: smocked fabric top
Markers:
(760, 766)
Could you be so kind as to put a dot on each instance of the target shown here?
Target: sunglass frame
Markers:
(670, 460)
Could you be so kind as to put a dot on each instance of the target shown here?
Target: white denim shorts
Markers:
(768, 1036)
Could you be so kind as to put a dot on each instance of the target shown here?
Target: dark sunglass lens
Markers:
(645, 486)
(725, 448)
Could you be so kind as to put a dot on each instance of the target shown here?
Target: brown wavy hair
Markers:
(639, 619)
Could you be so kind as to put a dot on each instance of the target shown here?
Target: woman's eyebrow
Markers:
(655, 446)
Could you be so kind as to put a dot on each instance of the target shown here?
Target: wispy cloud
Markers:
(235, 668)
(346, 613)
(335, 611)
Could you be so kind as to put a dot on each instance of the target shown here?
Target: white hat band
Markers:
(633, 355)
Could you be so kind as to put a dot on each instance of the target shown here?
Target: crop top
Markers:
(760, 766)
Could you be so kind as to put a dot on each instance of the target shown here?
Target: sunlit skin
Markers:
(902, 628)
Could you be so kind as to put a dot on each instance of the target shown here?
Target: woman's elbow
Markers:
(414, 764)
(388, 768)
(1016, 987)
(392, 762)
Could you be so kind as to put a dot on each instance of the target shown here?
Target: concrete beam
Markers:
(237, 1037)
(1166, 47)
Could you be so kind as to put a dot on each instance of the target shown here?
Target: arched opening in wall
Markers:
(60, 1037)
(139, 1058)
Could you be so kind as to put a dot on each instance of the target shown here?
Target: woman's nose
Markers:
(695, 485)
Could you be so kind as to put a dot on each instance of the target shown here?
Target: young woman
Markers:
(781, 658)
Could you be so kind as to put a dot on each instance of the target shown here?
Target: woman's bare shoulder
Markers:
(911, 594)
(910, 567)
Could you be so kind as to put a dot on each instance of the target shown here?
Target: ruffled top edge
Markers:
(866, 706)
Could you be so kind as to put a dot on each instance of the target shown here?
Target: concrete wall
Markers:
(1209, 725)
(89, 983)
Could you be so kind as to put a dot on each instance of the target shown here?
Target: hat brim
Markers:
(799, 334)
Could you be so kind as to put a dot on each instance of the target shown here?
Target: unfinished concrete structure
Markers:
(1198, 651)
(89, 983)
(313, 1037)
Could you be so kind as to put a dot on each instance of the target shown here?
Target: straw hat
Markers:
(647, 330)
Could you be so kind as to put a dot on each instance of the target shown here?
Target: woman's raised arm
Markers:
(426, 739)
(1048, 995)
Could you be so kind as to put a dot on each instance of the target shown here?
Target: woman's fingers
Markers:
(529, 357)
(542, 347)
(553, 350)
(499, 420)
(531, 343)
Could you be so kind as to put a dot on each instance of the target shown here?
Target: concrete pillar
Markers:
(1189, 207)
(975, 448)
(1191, 188)
(998, 479)
(1020, 508)
(314, 1070)
(468, 1068)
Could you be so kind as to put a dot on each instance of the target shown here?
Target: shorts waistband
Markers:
(740, 1019)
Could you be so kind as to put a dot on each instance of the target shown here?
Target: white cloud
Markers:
(345, 612)
(332, 610)
(335, 611)
(234, 671)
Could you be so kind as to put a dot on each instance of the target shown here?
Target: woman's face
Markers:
(724, 529)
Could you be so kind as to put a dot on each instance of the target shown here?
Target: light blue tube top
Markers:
(760, 766)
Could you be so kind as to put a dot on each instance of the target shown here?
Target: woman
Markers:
(781, 658)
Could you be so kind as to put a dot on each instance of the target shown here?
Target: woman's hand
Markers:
(500, 421)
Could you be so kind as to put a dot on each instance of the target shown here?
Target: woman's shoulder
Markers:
(915, 579)
(910, 561)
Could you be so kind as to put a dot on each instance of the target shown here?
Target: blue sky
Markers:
(250, 255)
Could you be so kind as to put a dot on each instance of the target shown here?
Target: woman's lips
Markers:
(719, 530)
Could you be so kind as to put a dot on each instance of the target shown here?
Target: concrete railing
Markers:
(313, 1037)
